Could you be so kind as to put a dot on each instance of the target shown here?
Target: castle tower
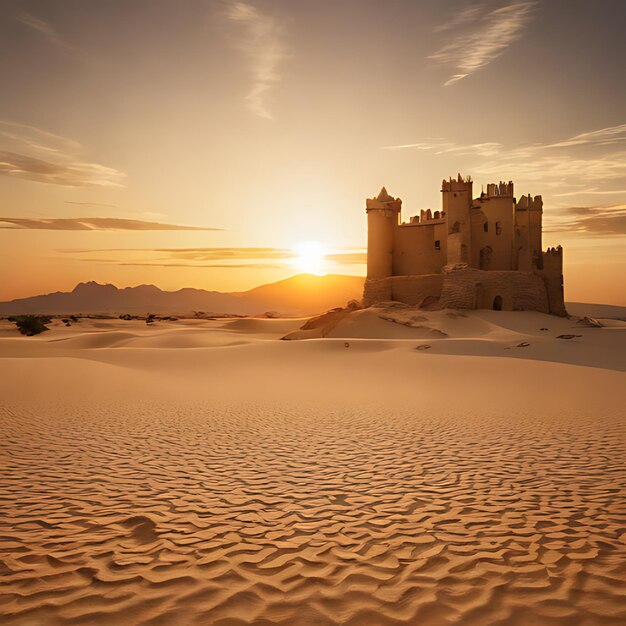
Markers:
(528, 246)
(456, 204)
(383, 216)
(535, 211)
(552, 272)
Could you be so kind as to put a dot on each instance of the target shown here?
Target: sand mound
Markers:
(262, 326)
(94, 340)
(483, 333)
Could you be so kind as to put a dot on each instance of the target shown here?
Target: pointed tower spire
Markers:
(383, 196)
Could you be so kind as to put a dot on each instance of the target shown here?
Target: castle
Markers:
(476, 253)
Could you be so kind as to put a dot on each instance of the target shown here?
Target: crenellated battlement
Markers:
(425, 217)
(460, 184)
(552, 259)
(499, 189)
(528, 203)
(383, 201)
(555, 252)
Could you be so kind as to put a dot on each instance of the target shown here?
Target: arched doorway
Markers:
(497, 303)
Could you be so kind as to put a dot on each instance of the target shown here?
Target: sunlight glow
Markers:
(310, 257)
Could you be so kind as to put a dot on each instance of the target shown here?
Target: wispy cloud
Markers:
(92, 205)
(603, 136)
(480, 34)
(260, 39)
(593, 192)
(46, 29)
(443, 146)
(595, 220)
(222, 266)
(348, 258)
(34, 154)
(88, 223)
(70, 174)
(575, 162)
(216, 257)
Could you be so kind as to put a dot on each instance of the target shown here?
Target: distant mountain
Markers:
(303, 294)
(307, 293)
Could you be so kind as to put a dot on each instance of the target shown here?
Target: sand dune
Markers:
(204, 472)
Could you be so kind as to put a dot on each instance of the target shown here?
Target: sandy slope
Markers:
(207, 473)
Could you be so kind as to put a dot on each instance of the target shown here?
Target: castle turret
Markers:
(456, 204)
(552, 272)
(383, 216)
(528, 218)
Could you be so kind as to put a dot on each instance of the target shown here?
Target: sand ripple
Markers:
(282, 515)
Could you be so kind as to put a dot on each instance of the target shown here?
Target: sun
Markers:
(310, 257)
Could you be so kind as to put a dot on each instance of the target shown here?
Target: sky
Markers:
(206, 143)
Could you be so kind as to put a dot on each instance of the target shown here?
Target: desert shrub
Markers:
(30, 325)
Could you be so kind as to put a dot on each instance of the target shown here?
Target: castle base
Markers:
(460, 287)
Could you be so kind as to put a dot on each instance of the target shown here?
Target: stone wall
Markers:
(476, 289)
(416, 290)
(414, 249)
(376, 290)
(413, 290)
(492, 233)
(463, 288)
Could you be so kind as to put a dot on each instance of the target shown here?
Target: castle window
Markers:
(437, 244)
(498, 228)
(486, 227)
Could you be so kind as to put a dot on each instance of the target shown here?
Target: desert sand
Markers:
(407, 468)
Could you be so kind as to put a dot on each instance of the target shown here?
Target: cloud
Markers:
(442, 146)
(91, 205)
(601, 220)
(599, 192)
(231, 266)
(603, 136)
(88, 223)
(261, 44)
(348, 258)
(215, 257)
(479, 35)
(34, 154)
(609, 136)
(65, 174)
(541, 168)
(224, 254)
(44, 28)
(574, 164)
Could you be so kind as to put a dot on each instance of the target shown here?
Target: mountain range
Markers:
(304, 294)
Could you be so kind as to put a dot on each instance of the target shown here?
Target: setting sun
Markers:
(310, 257)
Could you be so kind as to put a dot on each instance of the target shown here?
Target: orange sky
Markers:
(269, 123)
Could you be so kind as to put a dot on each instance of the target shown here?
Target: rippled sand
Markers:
(253, 481)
